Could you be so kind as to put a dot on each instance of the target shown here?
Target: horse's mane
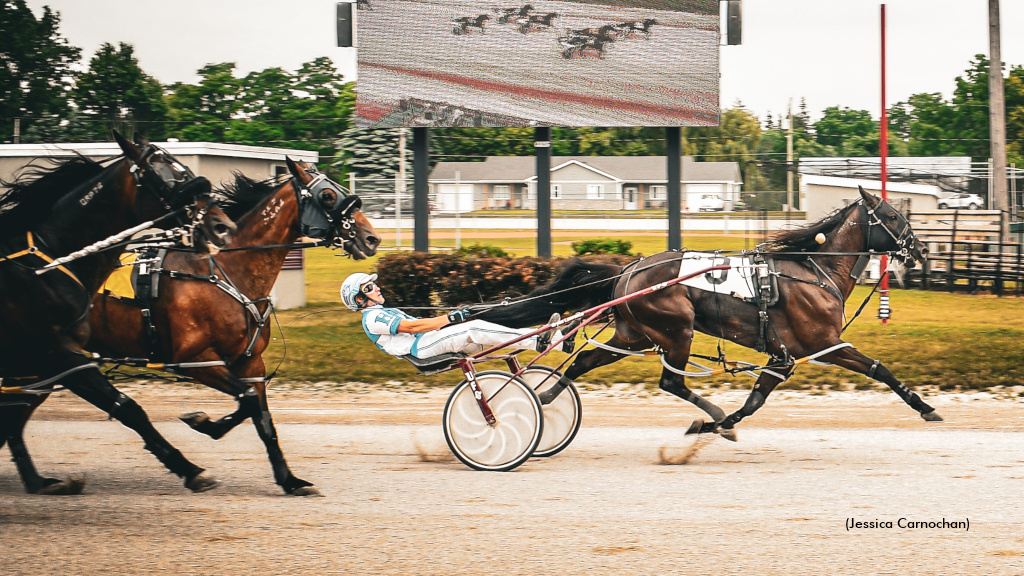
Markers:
(238, 197)
(801, 238)
(30, 198)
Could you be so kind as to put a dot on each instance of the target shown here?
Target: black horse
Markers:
(44, 317)
(463, 24)
(814, 268)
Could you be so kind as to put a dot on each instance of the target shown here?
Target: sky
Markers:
(825, 52)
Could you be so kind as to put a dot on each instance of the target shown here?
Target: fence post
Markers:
(950, 274)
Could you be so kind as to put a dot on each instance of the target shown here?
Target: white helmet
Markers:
(352, 287)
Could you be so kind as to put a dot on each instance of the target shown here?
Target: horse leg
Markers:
(252, 404)
(764, 386)
(15, 412)
(585, 362)
(852, 359)
(675, 384)
(95, 389)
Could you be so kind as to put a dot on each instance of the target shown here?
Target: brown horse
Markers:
(76, 207)
(815, 270)
(224, 323)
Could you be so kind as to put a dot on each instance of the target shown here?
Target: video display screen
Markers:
(436, 63)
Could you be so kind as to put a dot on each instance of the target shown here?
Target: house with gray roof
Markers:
(580, 183)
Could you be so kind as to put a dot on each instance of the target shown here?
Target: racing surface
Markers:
(619, 500)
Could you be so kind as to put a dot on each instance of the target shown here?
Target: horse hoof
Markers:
(195, 419)
(68, 487)
(202, 482)
(932, 416)
(728, 433)
(695, 427)
(307, 491)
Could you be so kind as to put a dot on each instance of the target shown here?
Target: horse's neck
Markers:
(94, 211)
(273, 222)
(850, 238)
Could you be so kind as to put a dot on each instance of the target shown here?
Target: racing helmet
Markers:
(352, 287)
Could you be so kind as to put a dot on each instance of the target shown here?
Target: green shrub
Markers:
(584, 247)
(482, 251)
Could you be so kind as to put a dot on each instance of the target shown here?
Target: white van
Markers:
(710, 203)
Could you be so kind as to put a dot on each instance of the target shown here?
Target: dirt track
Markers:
(397, 503)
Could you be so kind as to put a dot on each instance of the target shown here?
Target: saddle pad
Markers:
(740, 280)
(119, 283)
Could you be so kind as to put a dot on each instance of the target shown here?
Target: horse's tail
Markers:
(579, 285)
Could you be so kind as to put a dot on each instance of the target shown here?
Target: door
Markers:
(631, 197)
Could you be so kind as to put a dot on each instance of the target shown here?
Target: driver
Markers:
(399, 334)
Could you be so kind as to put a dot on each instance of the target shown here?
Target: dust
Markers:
(680, 456)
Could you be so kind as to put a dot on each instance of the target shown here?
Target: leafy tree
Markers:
(120, 95)
(202, 112)
(35, 67)
(372, 153)
(737, 139)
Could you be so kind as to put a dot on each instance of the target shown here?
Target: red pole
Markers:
(883, 151)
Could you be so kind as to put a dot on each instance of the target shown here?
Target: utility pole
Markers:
(884, 312)
(997, 121)
(789, 160)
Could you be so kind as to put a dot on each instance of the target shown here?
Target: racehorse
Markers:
(533, 22)
(44, 315)
(815, 268)
(224, 322)
(464, 23)
(506, 15)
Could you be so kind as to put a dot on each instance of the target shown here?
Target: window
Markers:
(556, 192)
(502, 192)
(595, 191)
(659, 192)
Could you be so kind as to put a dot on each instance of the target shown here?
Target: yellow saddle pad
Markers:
(120, 282)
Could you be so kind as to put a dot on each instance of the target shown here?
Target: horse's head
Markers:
(210, 227)
(328, 211)
(169, 183)
(889, 231)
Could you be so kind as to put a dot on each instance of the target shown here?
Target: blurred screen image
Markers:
(433, 63)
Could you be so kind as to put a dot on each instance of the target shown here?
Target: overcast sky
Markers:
(824, 51)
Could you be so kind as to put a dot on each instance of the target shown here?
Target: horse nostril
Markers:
(372, 241)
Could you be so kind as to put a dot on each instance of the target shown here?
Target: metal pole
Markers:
(997, 119)
(789, 161)
(673, 156)
(399, 187)
(458, 209)
(421, 202)
(542, 147)
(883, 149)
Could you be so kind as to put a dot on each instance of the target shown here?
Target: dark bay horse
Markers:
(225, 323)
(44, 316)
(815, 271)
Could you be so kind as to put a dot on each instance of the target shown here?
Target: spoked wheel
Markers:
(562, 417)
(511, 440)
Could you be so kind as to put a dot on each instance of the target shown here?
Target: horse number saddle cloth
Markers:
(137, 279)
(750, 277)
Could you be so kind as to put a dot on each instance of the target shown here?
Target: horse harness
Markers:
(146, 281)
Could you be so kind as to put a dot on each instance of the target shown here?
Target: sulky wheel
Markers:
(508, 442)
(562, 417)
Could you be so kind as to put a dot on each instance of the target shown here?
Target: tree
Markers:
(372, 153)
(202, 112)
(35, 67)
(119, 95)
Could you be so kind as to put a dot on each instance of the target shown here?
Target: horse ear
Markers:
(130, 149)
(140, 140)
(296, 170)
(869, 199)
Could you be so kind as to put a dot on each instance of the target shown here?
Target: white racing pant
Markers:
(470, 337)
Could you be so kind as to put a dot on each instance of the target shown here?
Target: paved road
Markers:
(778, 501)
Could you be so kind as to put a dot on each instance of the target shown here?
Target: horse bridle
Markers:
(164, 184)
(904, 237)
(320, 222)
